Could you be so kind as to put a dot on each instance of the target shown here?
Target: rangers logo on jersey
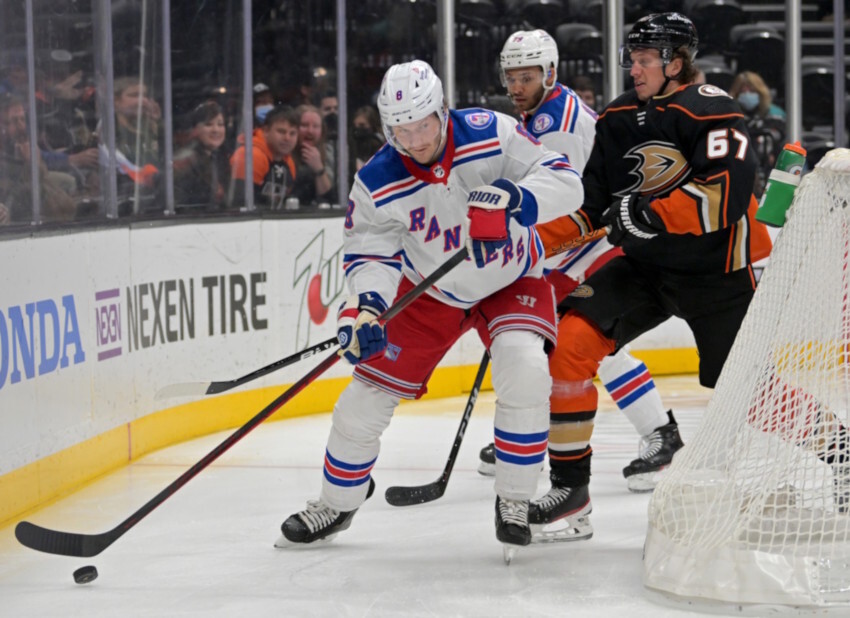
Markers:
(542, 122)
(480, 120)
(659, 168)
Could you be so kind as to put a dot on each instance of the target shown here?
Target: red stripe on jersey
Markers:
(628, 387)
(394, 187)
(521, 449)
(346, 474)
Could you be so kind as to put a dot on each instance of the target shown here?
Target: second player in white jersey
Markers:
(556, 116)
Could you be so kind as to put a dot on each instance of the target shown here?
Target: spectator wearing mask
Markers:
(366, 136)
(263, 103)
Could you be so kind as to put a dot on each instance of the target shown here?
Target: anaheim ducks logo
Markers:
(582, 291)
(659, 168)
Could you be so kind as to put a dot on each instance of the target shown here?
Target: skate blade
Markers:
(486, 469)
(644, 482)
(284, 543)
(565, 530)
(508, 552)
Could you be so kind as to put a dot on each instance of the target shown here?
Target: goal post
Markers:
(755, 509)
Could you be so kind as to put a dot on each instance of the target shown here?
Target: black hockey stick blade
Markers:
(407, 496)
(87, 545)
(197, 389)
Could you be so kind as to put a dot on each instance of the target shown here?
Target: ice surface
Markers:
(207, 551)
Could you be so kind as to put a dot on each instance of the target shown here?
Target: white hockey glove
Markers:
(360, 334)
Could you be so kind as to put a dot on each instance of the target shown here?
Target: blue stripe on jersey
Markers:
(347, 466)
(636, 394)
(476, 157)
(384, 168)
(626, 377)
(576, 110)
(522, 438)
(395, 196)
(520, 460)
(351, 261)
(344, 483)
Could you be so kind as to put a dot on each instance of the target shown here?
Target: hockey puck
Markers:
(85, 574)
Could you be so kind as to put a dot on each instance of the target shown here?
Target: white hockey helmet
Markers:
(530, 48)
(409, 92)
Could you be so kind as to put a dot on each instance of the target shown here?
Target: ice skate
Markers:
(512, 525)
(561, 515)
(318, 522)
(655, 454)
(487, 460)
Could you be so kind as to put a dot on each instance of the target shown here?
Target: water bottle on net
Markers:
(783, 181)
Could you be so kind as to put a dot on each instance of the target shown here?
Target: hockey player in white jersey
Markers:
(445, 178)
(557, 117)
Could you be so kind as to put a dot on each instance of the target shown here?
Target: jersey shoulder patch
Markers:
(709, 90)
(479, 119)
(473, 125)
(542, 122)
(702, 100)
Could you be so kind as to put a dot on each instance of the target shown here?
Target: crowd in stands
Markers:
(295, 156)
(294, 148)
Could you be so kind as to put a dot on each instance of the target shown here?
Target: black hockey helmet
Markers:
(665, 32)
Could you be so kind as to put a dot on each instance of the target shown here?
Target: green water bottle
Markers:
(783, 181)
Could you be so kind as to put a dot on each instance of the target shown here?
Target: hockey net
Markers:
(755, 510)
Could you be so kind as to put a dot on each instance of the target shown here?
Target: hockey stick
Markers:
(87, 545)
(578, 242)
(420, 494)
(406, 496)
(196, 389)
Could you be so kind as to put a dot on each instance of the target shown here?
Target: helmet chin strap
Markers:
(546, 91)
(667, 80)
(663, 86)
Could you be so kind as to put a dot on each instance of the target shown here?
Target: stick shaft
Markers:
(87, 545)
(420, 494)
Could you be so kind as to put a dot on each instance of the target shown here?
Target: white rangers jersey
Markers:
(563, 123)
(406, 218)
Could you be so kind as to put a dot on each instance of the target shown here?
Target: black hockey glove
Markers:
(632, 220)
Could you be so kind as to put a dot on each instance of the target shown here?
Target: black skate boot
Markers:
(563, 513)
(487, 460)
(655, 454)
(317, 522)
(512, 525)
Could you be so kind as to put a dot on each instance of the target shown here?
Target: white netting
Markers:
(753, 509)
